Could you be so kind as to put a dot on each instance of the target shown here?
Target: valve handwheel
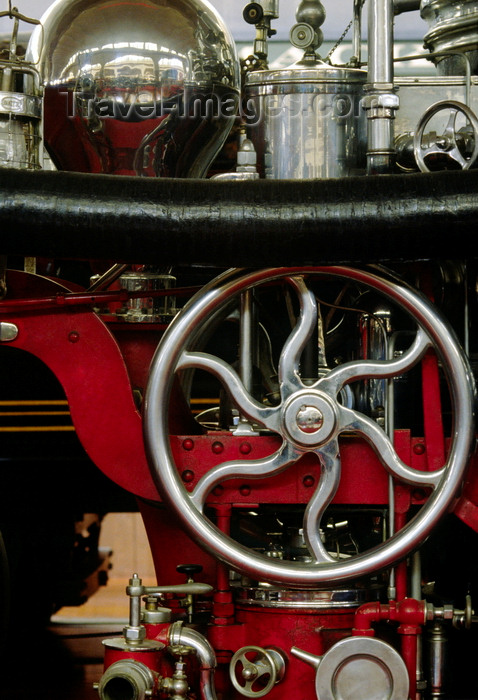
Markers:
(308, 419)
(446, 144)
(254, 671)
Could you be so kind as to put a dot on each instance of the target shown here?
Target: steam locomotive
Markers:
(254, 289)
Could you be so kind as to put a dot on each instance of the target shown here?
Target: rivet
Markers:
(245, 448)
(308, 480)
(218, 490)
(187, 476)
(73, 336)
(245, 490)
(419, 448)
(188, 444)
(217, 447)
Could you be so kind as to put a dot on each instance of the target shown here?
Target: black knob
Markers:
(253, 13)
(189, 569)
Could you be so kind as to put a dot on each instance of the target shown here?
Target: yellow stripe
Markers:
(38, 429)
(206, 401)
(52, 402)
(34, 413)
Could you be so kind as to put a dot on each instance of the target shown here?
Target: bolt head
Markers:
(134, 634)
(309, 419)
(249, 672)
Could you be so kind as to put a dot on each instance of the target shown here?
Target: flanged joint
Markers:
(126, 679)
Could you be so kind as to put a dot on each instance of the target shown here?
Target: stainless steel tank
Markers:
(307, 122)
(146, 87)
(453, 28)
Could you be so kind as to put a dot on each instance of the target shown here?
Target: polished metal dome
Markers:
(145, 87)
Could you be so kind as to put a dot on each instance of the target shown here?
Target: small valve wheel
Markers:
(447, 143)
(253, 13)
(188, 602)
(302, 35)
(189, 570)
(254, 671)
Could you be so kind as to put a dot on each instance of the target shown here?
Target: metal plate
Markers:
(362, 668)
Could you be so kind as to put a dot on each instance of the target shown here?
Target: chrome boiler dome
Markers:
(145, 87)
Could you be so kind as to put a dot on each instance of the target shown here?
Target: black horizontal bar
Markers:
(239, 224)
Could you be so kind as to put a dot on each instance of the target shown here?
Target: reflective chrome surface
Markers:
(453, 26)
(172, 355)
(179, 636)
(321, 600)
(307, 122)
(362, 667)
(130, 87)
(141, 309)
(452, 143)
(20, 115)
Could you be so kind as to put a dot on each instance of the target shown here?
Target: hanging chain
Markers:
(339, 41)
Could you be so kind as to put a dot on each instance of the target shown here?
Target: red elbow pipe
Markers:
(406, 612)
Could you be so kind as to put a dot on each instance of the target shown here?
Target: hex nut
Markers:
(134, 634)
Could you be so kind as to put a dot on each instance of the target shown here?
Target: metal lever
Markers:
(136, 588)
(134, 632)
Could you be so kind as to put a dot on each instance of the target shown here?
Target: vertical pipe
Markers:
(380, 41)
(135, 602)
(223, 522)
(380, 101)
(437, 658)
(416, 593)
(409, 653)
(357, 32)
(401, 570)
(390, 427)
(247, 353)
(246, 348)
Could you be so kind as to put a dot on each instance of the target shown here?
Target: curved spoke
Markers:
(449, 134)
(294, 417)
(258, 670)
(358, 423)
(248, 406)
(288, 370)
(259, 667)
(381, 369)
(286, 455)
(328, 484)
(450, 130)
(456, 155)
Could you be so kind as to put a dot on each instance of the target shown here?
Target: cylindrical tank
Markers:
(453, 27)
(145, 87)
(307, 121)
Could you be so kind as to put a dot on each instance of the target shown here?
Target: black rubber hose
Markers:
(239, 224)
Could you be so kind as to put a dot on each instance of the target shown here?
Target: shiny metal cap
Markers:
(453, 24)
(146, 87)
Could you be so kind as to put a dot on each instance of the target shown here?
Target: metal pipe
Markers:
(185, 636)
(390, 424)
(127, 679)
(437, 659)
(380, 102)
(246, 341)
(400, 6)
(357, 32)
(416, 592)
(238, 224)
(107, 278)
(380, 41)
